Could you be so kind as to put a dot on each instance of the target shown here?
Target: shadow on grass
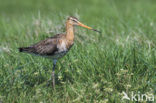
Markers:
(31, 81)
(58, 82)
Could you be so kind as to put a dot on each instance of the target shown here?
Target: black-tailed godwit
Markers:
(57, 46)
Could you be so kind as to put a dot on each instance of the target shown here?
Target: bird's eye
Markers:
(74, 20)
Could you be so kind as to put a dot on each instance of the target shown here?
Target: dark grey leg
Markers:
(53, 73)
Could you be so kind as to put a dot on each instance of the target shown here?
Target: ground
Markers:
(98, 68)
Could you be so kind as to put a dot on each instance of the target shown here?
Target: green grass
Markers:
(98, 67)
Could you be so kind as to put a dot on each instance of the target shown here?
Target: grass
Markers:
(97, 69)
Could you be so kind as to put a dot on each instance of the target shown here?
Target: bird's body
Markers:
(53, 48)
(57, 46)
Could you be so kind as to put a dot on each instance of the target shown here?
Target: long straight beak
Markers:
(85, 26)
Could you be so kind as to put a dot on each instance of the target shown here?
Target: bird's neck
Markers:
(69, 31)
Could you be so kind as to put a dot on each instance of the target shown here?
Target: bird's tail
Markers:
(24, 49)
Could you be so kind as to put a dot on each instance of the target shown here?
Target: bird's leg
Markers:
(53, 73)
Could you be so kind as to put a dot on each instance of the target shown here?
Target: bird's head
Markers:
(74, 21)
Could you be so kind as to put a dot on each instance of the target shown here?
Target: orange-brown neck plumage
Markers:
(69, 31)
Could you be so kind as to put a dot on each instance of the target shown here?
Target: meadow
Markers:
(97, 69)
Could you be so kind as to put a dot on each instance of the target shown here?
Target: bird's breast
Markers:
(62, 47)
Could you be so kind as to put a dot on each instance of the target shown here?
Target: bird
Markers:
(56, 46)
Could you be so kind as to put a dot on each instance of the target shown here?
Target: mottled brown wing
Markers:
(45, 47)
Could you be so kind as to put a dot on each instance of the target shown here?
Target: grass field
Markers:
(98, 68)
